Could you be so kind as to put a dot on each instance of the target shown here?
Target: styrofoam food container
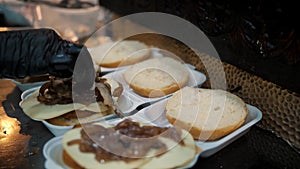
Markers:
(125, 103)
(53, 148)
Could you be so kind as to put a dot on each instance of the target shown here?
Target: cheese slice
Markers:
(39, 111)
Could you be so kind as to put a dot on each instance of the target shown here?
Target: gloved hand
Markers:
(36, 52)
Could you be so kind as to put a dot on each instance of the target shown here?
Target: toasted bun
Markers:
(115, 54)
(177, 156)
(206, 114)
(156, 77)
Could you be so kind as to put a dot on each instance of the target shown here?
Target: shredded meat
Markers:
(127, 141)
(59, 91)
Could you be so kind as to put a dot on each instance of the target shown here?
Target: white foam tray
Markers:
(155, 114)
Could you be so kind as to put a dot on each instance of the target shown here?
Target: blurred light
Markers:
(3, 29)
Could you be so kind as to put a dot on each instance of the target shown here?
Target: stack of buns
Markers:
(207, 114)
(156, 77)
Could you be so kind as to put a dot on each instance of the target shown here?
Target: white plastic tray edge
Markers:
(210, 147)
(28, 92)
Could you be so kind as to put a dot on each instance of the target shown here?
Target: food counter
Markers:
(22, 141)
(272, 143)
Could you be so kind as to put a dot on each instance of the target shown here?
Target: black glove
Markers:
(36, 52)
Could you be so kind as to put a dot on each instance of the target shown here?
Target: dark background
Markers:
(260, 37)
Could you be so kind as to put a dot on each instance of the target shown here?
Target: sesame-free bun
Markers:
(207, 114)
(177, 156)
(120, 53)
(156, 77)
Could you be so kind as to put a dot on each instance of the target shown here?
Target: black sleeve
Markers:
(35, 52)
